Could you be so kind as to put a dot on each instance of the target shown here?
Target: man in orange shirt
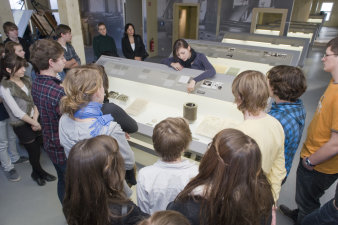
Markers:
(318, 166)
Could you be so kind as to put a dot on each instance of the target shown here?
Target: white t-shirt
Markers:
(160, 183)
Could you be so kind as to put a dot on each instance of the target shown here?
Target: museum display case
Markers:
(280, 42)
(266, 16)
(151, 92)
(295, 30)
(244, 56)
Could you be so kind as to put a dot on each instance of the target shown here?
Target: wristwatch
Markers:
(308, 162)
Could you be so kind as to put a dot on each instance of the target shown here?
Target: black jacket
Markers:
(127, 123)
(132, 215)
(140, 50)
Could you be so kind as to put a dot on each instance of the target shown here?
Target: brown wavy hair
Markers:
(12, 62)
(179, 43)
(167, 217)
(42, 51)
(9, 47)
(94, 180)
(80, 84)
(235, 189)
(251, 91)
(8, 26)
(287, 82)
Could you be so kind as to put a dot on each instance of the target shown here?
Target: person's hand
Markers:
(273, 215)
(138, 58)
(35, 118)
(191, 85)
(306, 166)
(176, 66)
(36, 127)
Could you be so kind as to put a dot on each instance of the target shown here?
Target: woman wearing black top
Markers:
(132, 44)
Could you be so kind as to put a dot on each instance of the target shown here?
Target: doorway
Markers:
(185, 21)
(133, 14)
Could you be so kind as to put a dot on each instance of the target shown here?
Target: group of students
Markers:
(239, 177)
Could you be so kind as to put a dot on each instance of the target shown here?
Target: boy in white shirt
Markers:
(159, 184)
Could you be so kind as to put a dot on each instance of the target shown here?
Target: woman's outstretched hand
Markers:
(177, 66)
(191, 85)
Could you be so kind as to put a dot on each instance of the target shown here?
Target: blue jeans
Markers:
(310, 186)
(8, 150)
(326, 215)
(61, 171)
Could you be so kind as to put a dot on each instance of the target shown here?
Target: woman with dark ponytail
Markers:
(18, 101)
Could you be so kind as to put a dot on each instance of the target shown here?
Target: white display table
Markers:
(162, 94)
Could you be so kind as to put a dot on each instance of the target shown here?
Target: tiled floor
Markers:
(26, 203)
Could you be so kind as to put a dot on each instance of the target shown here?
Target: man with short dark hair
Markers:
(11, 30)
(318, 165)
(64, 37)
(103, 44)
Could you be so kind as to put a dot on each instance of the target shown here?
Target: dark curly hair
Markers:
(287, 82)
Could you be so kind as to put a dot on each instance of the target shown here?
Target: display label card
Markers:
(233, 71)
(184, 79)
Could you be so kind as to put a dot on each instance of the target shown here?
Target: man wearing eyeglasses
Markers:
(318, 166)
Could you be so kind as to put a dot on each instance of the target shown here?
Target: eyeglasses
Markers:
(326, 55)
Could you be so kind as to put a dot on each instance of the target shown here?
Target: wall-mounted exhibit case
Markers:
(320, 19)
(264, 16)
(151, 92)
(244, 57)
(300, 26)
(310, 20)
(280, 42)
(296, 29)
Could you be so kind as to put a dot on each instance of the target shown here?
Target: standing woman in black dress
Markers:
(132, 44)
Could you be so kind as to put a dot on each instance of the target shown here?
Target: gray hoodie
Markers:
(71, 131)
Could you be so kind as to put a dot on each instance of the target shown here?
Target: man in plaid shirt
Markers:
(47, 58)
(287, 84)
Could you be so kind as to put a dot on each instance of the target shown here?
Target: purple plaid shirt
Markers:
(47, 92)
